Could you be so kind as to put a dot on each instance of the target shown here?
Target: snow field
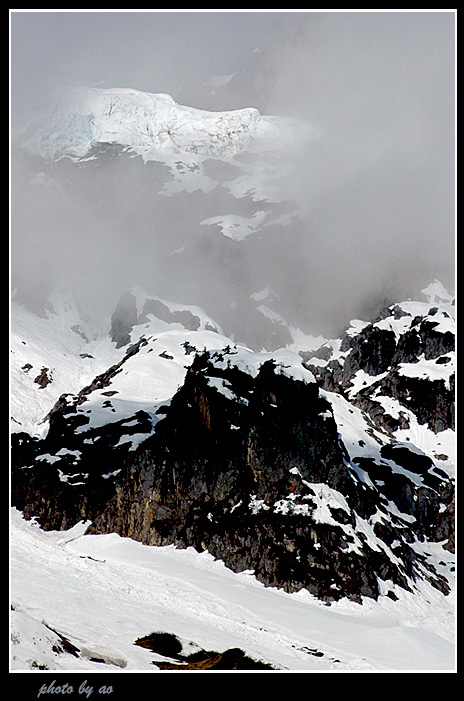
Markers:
(103, 592)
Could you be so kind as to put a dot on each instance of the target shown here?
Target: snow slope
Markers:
(103, 592)
(70, 354)
(60, 345)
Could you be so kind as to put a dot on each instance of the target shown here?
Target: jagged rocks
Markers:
(69, 475)
(372, 351)
(59, 489)
(126, 316)
(404, 356)
(252, 469)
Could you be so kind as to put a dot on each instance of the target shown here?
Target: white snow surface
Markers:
(60, 342)
(436, 292)
(286, 361)
(102, 592)
(154, 124)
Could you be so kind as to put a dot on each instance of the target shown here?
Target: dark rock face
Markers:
(169, 645)
(126, 316)
(410, 363)
(61, 493)
(69, 475)
(373, 352)
(258, 482)
(123, 320)
(184, 317)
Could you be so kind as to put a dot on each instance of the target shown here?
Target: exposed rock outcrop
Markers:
(401, 356)
(248, 462)
(260, 480)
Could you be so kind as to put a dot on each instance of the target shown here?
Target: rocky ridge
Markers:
(406, 355)
(255, 459)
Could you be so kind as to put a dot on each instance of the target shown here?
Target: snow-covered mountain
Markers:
(152, 124)
(75, 464)
(275, 467)
(152, 190)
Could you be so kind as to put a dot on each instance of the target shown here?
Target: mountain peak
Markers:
(151, 123)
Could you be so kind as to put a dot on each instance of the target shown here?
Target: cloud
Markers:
(378, 181)
(378, 87)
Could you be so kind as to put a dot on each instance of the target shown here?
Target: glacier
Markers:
(153, 125)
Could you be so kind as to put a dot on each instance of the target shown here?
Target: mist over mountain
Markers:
(232, 341)
(373, 184)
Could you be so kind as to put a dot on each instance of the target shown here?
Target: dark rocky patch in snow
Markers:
(43, 378)
(169, 645)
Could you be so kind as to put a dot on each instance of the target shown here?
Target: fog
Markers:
(377, 179)
(379, 90)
